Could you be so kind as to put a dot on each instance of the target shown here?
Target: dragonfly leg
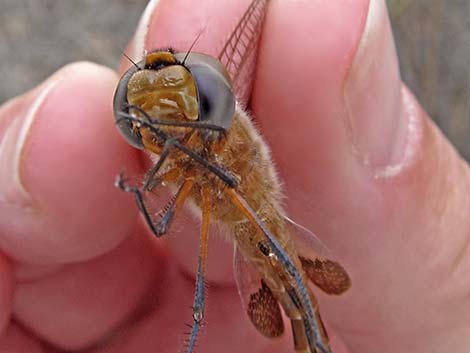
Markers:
(199, 295)
(197, 125)
(121, 183)
(161, 227)
(224, 175)
(150, 181)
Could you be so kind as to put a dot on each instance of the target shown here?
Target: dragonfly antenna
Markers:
(132, 61)
(194, 43)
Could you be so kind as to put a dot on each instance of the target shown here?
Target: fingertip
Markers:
(136, 47)
(177, 23)
(304, 57)
(68, 153)
(306, 51)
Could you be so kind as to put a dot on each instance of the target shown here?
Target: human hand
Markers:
(363, 167)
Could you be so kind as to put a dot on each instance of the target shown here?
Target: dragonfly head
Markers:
(173, 88)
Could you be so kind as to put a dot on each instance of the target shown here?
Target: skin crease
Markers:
(96, 280)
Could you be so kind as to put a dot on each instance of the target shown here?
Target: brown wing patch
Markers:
(264, 312)
(328, 275)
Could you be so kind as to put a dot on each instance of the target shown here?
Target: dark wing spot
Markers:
(328, 275)
(264, 312)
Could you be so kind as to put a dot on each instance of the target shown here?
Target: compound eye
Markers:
(121, 109)
(215, 95)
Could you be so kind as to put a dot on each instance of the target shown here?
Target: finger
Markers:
(86, 304)
(164, 24)
(62, 154)
(59, 159)
(165, 328)
(366, 170)
(225, 331)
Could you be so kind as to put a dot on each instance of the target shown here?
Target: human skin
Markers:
(362, 165)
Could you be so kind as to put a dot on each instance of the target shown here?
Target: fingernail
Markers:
(373, 96)
(12, 190)
(138, 47)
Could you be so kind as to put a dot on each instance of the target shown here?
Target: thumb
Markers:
(366, 170)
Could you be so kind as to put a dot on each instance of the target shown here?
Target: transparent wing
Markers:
(306, 240)
(239, 52)
(317, 260)
(257, 299)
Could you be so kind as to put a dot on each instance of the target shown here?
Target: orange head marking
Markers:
(168, 93)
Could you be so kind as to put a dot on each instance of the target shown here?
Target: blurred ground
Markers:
(433, 39)
(39, 36)
(433, 42)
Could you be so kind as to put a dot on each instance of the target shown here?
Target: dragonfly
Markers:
(185, 109)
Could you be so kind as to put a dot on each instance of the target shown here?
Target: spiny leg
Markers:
(150, 181)
(139, 200)
(199, 295)
(158, 228)
(170, 176)
(175, 204)
(138, 193)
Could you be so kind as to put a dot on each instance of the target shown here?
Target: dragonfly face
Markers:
(174, 88)
(181, 108)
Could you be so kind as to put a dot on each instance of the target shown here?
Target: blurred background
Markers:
(433, 40)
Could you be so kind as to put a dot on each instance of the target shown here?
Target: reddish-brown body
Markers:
(181, 109)
(245, 155)
(243, 152)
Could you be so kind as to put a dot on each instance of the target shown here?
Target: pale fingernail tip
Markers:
(12, 189)
(373, 99)
(85, 69)
(140, 36)
(414, 135)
